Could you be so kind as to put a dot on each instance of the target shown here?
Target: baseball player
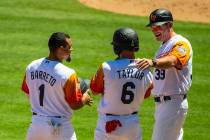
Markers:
(172, 76)
(123, 87)
(54, 92)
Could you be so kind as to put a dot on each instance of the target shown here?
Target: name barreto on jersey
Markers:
(130, 73)
(43, 76)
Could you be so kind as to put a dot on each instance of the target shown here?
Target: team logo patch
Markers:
(132, 43)
(152, 18)
(47, 61)
(181, 50)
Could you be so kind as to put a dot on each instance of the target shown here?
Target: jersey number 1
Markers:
(41, 94)
(127, 95)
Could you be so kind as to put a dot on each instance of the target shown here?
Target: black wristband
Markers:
(154, 62)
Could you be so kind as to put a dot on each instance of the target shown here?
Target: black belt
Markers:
(166, 98)
(34, 113)
(108, 114)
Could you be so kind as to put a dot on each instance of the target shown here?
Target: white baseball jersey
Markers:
(174, 80)
(51, 87)
(123, 86)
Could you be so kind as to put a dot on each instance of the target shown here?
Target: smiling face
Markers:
(161, 32)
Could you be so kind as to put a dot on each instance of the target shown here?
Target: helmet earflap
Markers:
(116, 49)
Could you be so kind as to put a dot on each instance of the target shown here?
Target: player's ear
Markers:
(169, 24)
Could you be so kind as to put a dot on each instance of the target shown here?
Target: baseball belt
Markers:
(166, 98)
(34, 113)
(108, 114)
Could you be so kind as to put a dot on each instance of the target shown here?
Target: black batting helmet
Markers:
(125, 39)
(159, 17)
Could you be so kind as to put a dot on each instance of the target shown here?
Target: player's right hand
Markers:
(143, 63)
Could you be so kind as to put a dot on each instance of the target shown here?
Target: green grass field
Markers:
(25, 26)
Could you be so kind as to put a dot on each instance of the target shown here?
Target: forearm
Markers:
(165, 62)
(85, 100)
(162, 63)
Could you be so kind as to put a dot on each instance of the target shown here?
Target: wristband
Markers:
(154, 62)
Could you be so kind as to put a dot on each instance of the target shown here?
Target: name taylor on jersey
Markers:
(130, 73)
(43, 76)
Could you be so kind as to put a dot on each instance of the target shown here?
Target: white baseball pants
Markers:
(130, 129)
(50, 128)
(169, 119)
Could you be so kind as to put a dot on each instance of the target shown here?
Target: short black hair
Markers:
(56, 40)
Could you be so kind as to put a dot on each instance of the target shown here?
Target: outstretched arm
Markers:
(163, 62)
(178, 57)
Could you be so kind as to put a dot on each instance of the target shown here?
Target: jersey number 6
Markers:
(127, 95)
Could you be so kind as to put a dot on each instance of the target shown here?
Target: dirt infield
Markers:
(185, 10)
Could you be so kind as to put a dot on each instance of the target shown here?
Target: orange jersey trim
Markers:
(148, 92)
(25, 86)
(97, 81)
(182, 51)
(72, 91)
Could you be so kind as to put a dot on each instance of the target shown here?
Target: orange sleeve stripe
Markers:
(25, 86)
(182, 51)
(72, 91)
(97, 81)
(148, 92)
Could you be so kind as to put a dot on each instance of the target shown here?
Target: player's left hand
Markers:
(87, 99)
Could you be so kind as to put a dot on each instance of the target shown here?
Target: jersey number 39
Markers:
(159, 74)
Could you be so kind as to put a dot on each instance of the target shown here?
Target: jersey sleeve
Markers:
(25, 86)
(97, 81)
(148, 84)
(72, 90)
(182, 51)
